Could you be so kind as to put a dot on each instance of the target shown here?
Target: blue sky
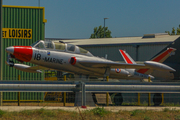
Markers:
(77, 18)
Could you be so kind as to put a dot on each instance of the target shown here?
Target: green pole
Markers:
(64, 93)
(1, 44)
(149, 94)
(19, 78)
(107, 94)
(139, 101)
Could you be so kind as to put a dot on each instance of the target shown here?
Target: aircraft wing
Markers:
(111, 64)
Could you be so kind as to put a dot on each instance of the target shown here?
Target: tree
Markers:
(178, 31)
(167, 32)
(174, 32)
(99, 32)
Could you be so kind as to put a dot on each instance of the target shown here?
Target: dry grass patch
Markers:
(97, 113)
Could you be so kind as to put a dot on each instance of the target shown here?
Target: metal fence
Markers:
(85, 91)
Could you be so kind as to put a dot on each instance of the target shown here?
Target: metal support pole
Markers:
(149, 94)
(83, 89)
(1, 39)
(19, 78)
(1, 50)
(107, 94)
(104, 26)
(64, 92)
(162, 99)
(139, 101)
(137, 54)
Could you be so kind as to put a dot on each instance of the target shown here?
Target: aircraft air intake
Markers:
(73, 60)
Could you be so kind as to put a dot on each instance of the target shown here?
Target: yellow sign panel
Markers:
(17, 33)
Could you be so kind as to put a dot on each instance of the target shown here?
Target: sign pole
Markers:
(1, 46)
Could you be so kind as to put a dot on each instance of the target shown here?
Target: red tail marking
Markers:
(157, 59)
(23, 53)
(162, 55)
(126, 57)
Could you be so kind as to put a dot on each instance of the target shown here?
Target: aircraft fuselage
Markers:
(73, 59)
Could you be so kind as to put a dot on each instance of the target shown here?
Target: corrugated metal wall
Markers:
(144, 52)
(26, 18)
(112, 51)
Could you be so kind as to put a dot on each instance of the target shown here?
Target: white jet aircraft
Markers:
(61, 56)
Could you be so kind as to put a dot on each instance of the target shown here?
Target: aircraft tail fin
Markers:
(159, 58)
(126, 57)
(164, 55)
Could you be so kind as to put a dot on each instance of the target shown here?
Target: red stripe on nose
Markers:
(23, 53)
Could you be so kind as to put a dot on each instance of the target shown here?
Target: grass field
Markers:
(94, 114)
(98, 113)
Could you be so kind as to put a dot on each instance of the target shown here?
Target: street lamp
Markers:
(104, 26)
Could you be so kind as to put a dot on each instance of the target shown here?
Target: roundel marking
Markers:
(118, 70)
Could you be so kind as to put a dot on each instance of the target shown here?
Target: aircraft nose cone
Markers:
(10, 50)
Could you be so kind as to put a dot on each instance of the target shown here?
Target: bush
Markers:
(40, 111)
(26, 112)
(177, 117)
(50, 113)
(2, 113)
(147, 118)
(100, 111)
(134, 112)
(166, 109)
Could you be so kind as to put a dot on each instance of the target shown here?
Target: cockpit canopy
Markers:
(60, 46)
